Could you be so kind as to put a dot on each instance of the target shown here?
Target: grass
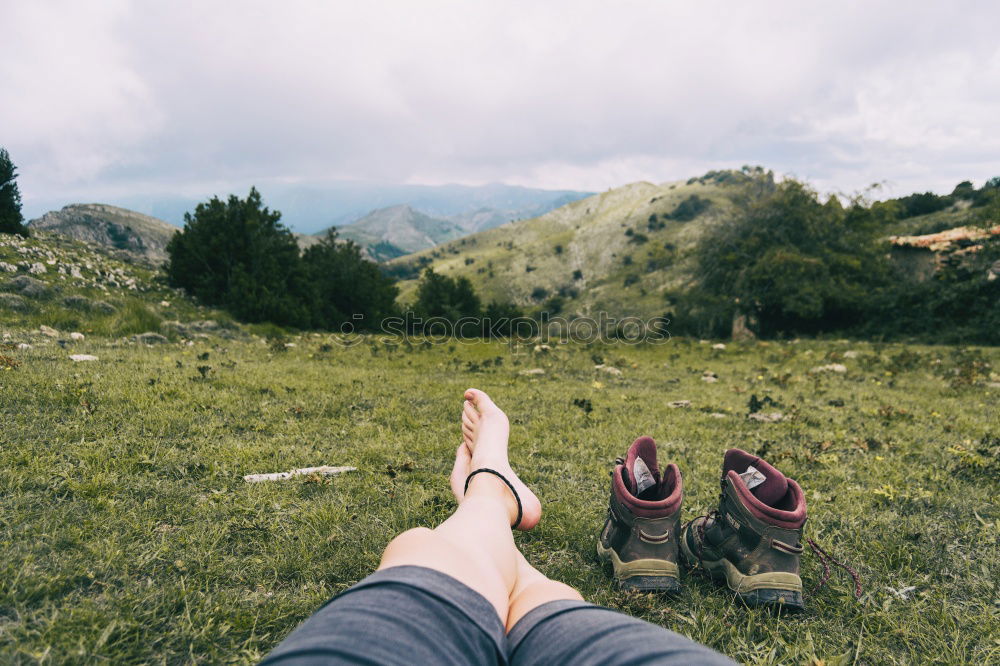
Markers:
(127, 534)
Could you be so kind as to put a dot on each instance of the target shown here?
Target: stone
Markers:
(542, 349)
(77, 358)
(718, 415)
(12, 302)
(28, 287)
(7, 268)
(769, 417)
(533, 372)
(24, 346)
(839, 368)
(852, 354)
(609, 369)
(709, 377)
(678, 404)
(77, 336)
(150, 338)
(48, 331)
(718, 346)
(38, 269)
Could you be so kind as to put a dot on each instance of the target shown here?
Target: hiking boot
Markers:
(641, 534)
(754, 541)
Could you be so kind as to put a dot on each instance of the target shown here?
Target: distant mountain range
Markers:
(419, 217)
(307, 208)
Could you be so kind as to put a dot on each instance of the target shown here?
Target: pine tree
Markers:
(236, 254)
(11, 220)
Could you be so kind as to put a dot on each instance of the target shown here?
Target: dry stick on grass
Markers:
(325, 470)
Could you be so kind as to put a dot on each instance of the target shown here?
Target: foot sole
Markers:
(777, 590)
(647, 575)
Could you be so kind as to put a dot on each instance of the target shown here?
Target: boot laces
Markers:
(826, 560)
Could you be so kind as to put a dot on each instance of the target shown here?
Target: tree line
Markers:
(237, 255)
(791, 263)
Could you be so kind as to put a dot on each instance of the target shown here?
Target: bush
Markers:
(11, 220)
(237, 255)
(689, 208)
(794, 263)
(442, 296)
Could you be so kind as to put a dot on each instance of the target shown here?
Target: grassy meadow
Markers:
(127, 534)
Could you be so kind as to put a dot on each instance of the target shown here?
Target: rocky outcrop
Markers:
(140, 236)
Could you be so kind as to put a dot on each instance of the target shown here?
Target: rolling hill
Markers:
(617, 251)
(391, 232)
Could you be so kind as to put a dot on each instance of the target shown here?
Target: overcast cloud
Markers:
(109, 98)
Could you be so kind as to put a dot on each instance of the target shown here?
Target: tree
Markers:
(236, 254)
(344, 284)
(442, 296)
(794, 263)
(11, 220)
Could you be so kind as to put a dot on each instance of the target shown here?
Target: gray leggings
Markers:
(414, 615)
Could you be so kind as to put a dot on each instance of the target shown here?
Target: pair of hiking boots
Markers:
(752, 543)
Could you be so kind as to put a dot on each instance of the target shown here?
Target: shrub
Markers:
(689, 208)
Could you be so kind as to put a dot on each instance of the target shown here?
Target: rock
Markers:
(38, 269)
(150, 338)
(542, 349)
(852, 354)
(76, 336)
(769, 417)
(204, 325)
(7, 268)
(718, 415)
(709, 376)
(839, 368)
(718, 346)
(164, 304)
(28, 287)
(609, 369)
(24, 346)
(81, 357)
(12, 302)
(677, 404)
(48, 331)
(534, 372)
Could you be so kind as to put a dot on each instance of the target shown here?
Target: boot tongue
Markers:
(765, 482)
(642, 473)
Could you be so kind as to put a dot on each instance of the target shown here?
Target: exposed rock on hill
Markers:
(141, 236)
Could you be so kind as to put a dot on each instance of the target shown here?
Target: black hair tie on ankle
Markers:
(509, 485)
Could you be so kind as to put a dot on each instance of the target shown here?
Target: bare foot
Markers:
(485, 430)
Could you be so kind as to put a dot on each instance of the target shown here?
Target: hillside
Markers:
(70, 286)
(139, 235)
(617, 251)
(398, 230)
(625, 252)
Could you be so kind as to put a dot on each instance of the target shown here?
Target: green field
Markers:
(127, 534)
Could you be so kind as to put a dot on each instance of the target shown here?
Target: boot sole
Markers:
(777, 590)
(646, 575)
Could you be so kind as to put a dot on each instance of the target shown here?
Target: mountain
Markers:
(619, 252)
(398, 230)
(308, 207)
(140, 236)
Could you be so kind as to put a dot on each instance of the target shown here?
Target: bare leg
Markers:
(475, 544)
(533, 589)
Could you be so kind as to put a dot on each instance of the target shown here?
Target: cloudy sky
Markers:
(108, 98)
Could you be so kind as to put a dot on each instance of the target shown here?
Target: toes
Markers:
(468, 410)
(480, 400)
(468, 421)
